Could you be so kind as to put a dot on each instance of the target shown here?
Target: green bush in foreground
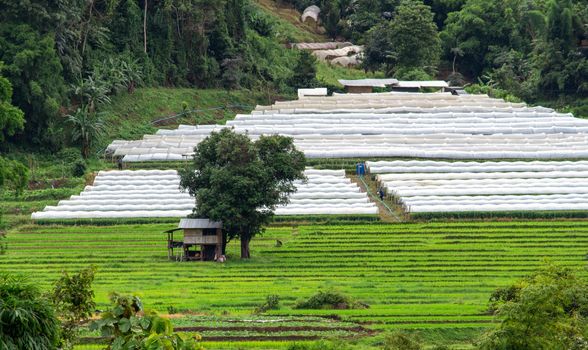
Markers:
(73, 299)
(401, 341)
(134, 328)
(321, 345)
(27, 319)
(547, 310)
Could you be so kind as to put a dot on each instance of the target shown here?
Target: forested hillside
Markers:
(66, 61)
(532, 49)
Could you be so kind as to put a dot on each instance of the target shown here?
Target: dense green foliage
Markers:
(409, 41)
(329, 299)
(86, 127)
(11, 118)
(73, 299)
(13, 174)
(240, 182)
(530, 48)
(401, 341)
(304, 72)
(74, 56)
(132, 327)
(27, 319)
(546, 310)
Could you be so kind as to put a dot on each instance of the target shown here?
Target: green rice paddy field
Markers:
(434, 279)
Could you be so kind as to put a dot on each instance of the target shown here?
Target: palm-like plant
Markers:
(27, 320)
(86, 128)
(91, 92)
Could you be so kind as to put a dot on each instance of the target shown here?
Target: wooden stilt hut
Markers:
(200, 234)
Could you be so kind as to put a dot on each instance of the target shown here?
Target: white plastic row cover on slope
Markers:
(467, 108)
(435, 186)
(463, 128)
(155, 193)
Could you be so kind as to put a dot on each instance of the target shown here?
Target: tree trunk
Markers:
(87, 25)
(85, 149)
(245, 254)
(145, 28)
(224, 244)
(454, 59)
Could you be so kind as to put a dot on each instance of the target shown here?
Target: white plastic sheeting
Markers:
(422, 84)
(312, 11)
(440, 186)
(312, 92)
(347, 61)
(434, 125)
(368, 82)
(155, 193)
(326, 55)
(321, 46)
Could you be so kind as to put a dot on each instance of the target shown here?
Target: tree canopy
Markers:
(240, 182)
(12, 174)
(546, 310)
(409, 41)
(11, 117)
(69, 54)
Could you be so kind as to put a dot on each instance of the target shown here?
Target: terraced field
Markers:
(432, 277)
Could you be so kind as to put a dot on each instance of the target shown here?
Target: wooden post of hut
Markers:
(198, 233)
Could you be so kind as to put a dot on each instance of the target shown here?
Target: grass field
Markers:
(432, 278)
(130, 116)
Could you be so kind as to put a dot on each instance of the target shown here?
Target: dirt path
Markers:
(389, 212)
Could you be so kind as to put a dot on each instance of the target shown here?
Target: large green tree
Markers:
(12, 174)
(546, 310)
(240, 182)
(481, 30)
(409, 41)
(330, 16)
(560, 67)
(11, 117)
(362, 15)
(304, 72)
(34, 69)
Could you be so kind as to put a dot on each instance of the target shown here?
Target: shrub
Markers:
(456, 79)
(73, 299)
(409, 73)
(27, 319)
(401, 341)
(441, 347)
(320, 345)
(131, 327)
(70, 155)
(261, 23)
(78, 169)
(272, 302)
(172, 310)
(492, 91)
(330, 299)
